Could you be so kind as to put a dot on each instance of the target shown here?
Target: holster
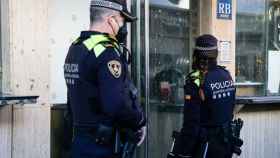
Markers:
(236, 141)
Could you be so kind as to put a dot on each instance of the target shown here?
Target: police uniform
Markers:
(208, 109)
(99, 93)
(209, 102)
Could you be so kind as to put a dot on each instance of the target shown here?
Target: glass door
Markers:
(162, 41)
(169, 56)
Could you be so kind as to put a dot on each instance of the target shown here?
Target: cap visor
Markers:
(128, 17)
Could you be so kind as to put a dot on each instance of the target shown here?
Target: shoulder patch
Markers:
(115, 68)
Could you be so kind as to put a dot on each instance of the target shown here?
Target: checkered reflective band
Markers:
(206, 48)
(106, 4)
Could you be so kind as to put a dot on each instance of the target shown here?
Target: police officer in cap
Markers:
(209, 102)
(101, 97)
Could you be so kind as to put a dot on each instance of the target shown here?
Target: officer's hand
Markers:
(141, 134)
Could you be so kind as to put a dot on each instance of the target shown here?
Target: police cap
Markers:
(118, 5)
(206, 46)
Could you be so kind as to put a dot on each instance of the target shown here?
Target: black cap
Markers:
(206, 45)
(118, 5)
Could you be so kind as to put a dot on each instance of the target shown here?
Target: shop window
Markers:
(251, 47)
(258, 47)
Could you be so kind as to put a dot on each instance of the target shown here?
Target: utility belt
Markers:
(228, 133)
(101, 134)
(123, 141)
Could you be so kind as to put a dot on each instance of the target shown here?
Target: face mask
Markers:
(122, 34)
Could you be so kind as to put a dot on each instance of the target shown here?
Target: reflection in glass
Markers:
(169, 53)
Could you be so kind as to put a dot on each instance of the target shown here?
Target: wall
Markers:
(30, 75)
(261, 132)
(26, 129)
(66, 19)
(37, 35)
(224, 30)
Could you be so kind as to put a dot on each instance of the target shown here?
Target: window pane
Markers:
(251, 47)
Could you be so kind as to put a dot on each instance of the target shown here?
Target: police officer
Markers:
(101, 96)
(209, 102)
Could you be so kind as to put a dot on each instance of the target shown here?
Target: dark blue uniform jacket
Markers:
(96, 75)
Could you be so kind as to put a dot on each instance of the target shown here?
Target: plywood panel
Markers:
(31, 134)
(5, 132)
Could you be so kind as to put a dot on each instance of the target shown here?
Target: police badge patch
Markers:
(115, 68)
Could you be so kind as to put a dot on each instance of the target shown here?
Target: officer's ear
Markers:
(112, 21)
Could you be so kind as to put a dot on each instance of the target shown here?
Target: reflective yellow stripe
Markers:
(94, 40)
(98, 49)
(116, 45)
(197, 82)
(195, 74)
(76, 41)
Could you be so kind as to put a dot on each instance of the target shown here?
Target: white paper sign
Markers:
(273, 71)
(225, 48)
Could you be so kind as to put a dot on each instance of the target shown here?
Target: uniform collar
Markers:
(86, 34)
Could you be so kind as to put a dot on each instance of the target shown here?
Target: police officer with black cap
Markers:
(100, 94)
(209, 102)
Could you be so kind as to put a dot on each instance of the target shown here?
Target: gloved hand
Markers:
(141, 134)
